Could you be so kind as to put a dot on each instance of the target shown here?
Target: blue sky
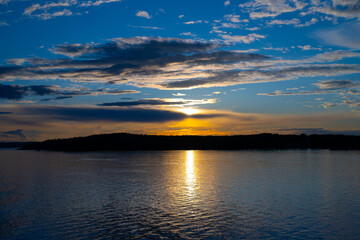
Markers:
(72, 68)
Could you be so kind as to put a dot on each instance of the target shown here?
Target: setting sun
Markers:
(189, 111)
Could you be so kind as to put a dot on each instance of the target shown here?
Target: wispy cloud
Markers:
(284, 22)
(343, 36)
(242, 39)
(195, 22)
(147, 27)
(188, 34)
(46, 11)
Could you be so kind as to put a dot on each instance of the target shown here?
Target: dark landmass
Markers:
(126, 141)
(14, 144)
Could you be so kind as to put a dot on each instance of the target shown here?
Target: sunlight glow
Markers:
(189, 111)
(190, 175)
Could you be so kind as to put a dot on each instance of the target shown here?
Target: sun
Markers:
(189, 111)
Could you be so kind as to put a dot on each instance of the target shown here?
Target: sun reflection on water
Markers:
(190, 173)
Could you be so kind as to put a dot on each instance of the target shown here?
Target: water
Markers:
(180, 195)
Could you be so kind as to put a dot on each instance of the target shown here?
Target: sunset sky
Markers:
(75, 68)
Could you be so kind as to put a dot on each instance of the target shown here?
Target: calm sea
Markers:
(301, 194)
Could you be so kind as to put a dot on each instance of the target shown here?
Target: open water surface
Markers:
(301, 194)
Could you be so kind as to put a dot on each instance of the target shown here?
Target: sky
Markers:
(80, 67)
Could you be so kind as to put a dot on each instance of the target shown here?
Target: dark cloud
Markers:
(336, 84)
(13, 92)
(281, 93)
(42, 90)
(164, 63)
(256, 76)
(324, 87)
(144, 102)
(159, 101)
(73, 50)
(116, 91)
(341, 8)
(109, 114)
(17, 135)
(5, 112)
(123, 58)
(56, 98)
(134, 48)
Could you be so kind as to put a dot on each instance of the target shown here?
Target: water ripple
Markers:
(180, 195)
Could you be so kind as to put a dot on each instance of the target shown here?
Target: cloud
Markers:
(323, 87)
(115, 91)
(337, 84)
(66, 121)
(195, 22)
(127, 60)
(170, 63)
(188, 34)
(262, 9)
(233, 18)
(281, 93)
(74, 50)
(16, 135)
(35, 7)
(97, 3)
(253, 28)
(161, 102)
(3, 23)
(343, 36)
(46, 15)
(230, 78)
(331, 10)
(12, 91)
(43, 9)
(242, 39)
(93, 114)
(15, 92)
(45, 12)
(147, 27)
(18, 91)
(5, 112)
(308, 47)
(143, 14)
(181, 16)
(340, 8)
(284, 22)
(227, 3)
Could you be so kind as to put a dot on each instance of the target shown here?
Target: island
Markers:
(266, 141)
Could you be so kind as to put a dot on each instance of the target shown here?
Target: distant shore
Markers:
(126, 142)
(12, 145)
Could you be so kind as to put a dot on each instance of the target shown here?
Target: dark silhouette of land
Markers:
(126, 141)
(13, 144)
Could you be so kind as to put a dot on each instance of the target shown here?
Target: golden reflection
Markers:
(190, 173)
